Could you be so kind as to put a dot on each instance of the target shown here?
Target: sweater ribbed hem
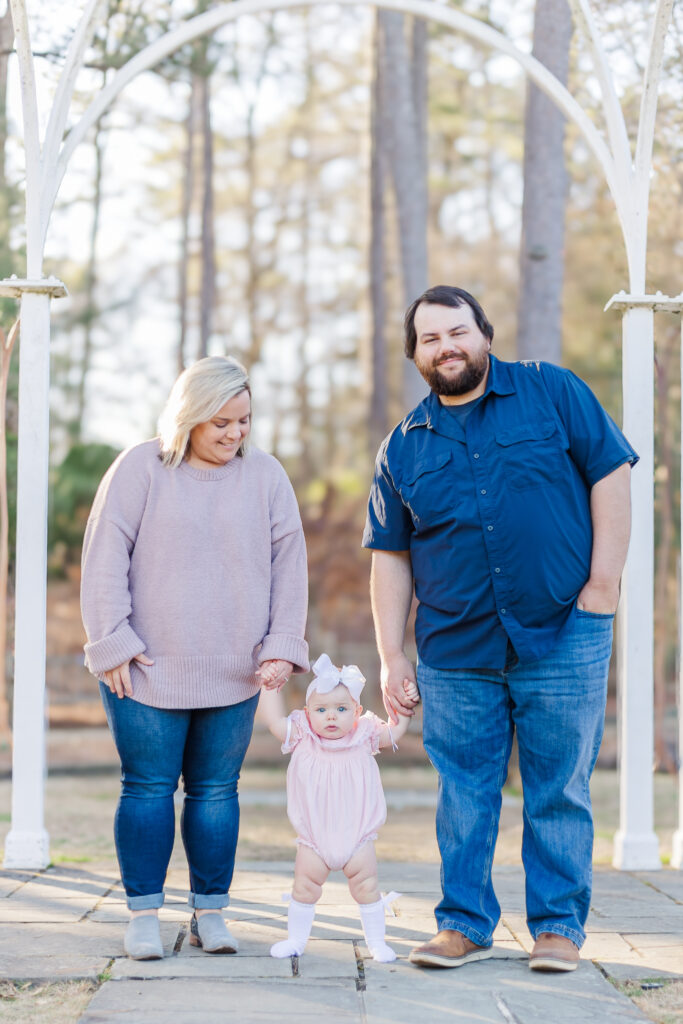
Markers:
(113, 650)
(287, 648)
(198, 681)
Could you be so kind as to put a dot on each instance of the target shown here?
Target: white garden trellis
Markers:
(628, 178)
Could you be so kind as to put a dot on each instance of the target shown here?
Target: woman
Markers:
(194, 581)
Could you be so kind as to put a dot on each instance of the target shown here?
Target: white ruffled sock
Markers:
(374, 929)
(299, 923)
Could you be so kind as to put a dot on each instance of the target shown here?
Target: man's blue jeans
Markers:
(156, 745)
(557, 707)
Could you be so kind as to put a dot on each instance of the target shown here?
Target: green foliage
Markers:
(74, 485)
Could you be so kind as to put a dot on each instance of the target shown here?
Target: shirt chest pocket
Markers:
(532, 454)
(426, 489)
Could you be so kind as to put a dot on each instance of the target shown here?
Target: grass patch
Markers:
(663, 1005)
(63, 1002)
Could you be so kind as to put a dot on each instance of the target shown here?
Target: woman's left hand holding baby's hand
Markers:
(275, 673)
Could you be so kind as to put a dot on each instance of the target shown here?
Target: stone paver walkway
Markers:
(68, 922)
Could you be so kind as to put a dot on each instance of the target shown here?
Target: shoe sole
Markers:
(541, 963)
(146, 956)
(195, 941)
(437, 960)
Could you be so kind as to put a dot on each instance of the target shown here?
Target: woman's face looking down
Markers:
(217, 441)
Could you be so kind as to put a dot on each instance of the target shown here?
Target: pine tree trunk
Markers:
(208, 271)
(379, 413)
(186, 208)
(403, 128)
(539, 324)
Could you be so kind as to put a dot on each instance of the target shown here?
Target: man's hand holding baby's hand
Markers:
(397, 676)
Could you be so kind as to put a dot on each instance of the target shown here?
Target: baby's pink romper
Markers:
(335, 799)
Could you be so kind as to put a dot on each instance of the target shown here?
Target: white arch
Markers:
(27, 842)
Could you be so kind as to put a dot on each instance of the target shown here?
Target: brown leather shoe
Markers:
(448, 949)
(553, 952)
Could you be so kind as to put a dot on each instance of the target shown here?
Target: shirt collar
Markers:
(426, 414)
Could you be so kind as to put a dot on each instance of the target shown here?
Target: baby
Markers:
(334, 797)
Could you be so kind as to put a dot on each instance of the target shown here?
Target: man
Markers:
(504, 498)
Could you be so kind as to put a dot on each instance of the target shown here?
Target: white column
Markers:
(636, 846)
(677, 841)
(27, 844)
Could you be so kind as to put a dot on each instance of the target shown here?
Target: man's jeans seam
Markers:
(493, 830)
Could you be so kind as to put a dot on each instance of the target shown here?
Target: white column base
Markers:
(27, 850)
(677, 849)
(636, 852)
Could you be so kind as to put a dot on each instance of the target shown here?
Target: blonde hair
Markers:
(197, 395)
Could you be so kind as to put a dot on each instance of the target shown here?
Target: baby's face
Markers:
(332, 715)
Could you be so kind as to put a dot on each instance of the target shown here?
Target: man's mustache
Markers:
(451, 355)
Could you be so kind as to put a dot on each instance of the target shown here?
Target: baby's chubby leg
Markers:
(310, 872)
(361, 872)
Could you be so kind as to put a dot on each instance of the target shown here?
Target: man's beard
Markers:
(471, 375)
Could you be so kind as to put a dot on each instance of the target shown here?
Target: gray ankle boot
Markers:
(210, 933)
(142, 940)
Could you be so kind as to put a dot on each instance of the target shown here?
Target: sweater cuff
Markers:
(285, 648)
(121, 645)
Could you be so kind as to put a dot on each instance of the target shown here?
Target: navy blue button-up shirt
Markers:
(495, 511)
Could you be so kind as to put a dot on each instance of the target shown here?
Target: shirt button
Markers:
(490, 529)
(476, 455)
(503, 611)
(496, 570)
(483, 490)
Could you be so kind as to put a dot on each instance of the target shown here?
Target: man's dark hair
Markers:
(443, 295)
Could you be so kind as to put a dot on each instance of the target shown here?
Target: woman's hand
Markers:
(274, 673)
(118, 679)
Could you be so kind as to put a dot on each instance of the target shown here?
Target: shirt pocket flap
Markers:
(425, 464)
(526, 432)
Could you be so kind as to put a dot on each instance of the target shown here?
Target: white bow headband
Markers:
(327, 676)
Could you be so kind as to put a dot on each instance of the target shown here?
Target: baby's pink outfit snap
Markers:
(335, 800)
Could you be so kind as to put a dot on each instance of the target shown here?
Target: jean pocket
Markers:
(594, 615)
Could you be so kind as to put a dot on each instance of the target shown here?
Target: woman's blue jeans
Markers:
(557, 706)
(157, 745)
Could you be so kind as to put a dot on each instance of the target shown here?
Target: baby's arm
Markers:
(389, 734)
(271, 707)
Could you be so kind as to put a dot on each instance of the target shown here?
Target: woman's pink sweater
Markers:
(203, 570)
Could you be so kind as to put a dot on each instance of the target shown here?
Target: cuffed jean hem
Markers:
(150, 902)
(578, 938)
(478, 938)
(214, 901)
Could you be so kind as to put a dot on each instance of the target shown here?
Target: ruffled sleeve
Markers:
(372, 729)
(296, 730)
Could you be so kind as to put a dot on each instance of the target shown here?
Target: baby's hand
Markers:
(275, 673)
(411, 690)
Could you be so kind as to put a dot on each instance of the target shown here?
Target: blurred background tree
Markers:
(280, 191)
